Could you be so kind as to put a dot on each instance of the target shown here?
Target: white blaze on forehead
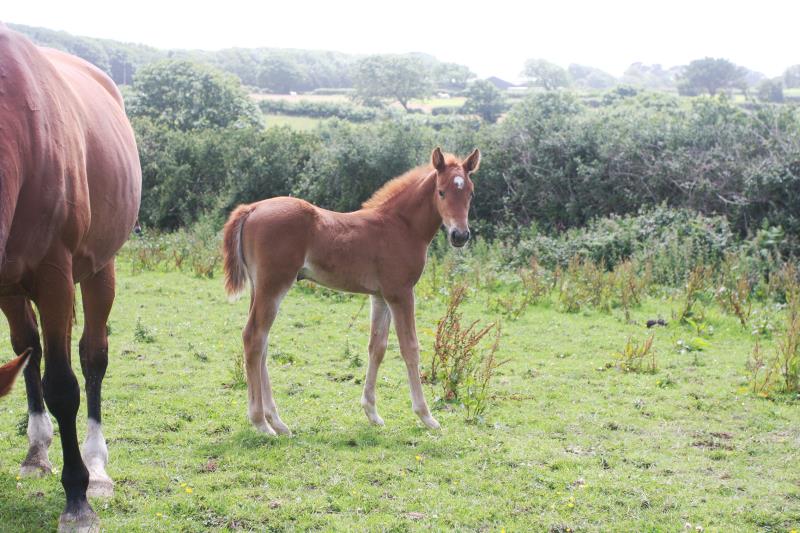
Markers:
(459, 181)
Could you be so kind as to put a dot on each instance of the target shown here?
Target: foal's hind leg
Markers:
(97, 293)
(263, 309)
(379, 335)
(25, 334)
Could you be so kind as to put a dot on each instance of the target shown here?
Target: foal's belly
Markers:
(339, 279)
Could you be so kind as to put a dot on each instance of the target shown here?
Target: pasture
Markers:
(567, 444)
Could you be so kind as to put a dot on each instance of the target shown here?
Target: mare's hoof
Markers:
(83, 521)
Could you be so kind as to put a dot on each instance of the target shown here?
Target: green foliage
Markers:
(590, 78)
(484, 100)
(541, 73)
(457, 365)
(780, 373)
(391, 77)
(637, 357)
(187, 174)
(195, 250)
(190, 96)
(356, 161)
(142, 333)
(791, 77)
(710, 75)
(308, 108)
(771, 90)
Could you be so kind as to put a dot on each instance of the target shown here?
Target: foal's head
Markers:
(454, 192)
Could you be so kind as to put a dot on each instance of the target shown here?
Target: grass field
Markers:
(298, 123)
(564, 447)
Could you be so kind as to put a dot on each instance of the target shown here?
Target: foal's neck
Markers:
(415, 206)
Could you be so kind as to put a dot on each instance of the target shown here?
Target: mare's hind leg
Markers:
(263, 309)
(97, 293)
(379, 335)
(55, 297)
(25, 334)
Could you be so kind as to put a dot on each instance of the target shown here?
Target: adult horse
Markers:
(70, 185)
(379, 250)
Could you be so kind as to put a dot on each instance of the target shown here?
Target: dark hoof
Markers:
(83, 521)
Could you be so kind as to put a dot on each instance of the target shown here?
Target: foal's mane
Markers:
(392, 188)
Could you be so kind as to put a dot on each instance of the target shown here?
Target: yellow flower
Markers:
(19, 477)
(159, 515)
(570, 505)
(189, 490)
(419, 458)
(183, 484)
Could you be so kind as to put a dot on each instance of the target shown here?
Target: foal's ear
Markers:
(472, 162)
(437, 159)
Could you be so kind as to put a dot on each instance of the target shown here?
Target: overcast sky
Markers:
(492, 37)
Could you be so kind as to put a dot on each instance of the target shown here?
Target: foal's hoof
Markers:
(373, 416)
(263, 427)
(83, 521)
(281, 428)
(36, 467)
(430, 422)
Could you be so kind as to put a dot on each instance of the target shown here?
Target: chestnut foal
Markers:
(379, 250)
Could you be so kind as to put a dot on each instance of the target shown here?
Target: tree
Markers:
(394, 77)
(452, 76)
(771, 90)
(544, 74)
(590, 77)
(188, 96)
(791, 77)
(281, 75)
(710, 75)
(485, 100)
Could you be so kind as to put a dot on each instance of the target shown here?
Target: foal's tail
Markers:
(10, 371)
(235, 269)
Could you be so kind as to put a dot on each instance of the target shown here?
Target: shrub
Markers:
(463, 372)
(636, 357)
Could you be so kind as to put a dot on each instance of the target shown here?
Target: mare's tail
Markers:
(235, 269)
(10, 371)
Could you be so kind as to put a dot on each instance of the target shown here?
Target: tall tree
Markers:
(590, 77)
(391, 77)
(541, 73)
(791, 77)
(485, 100)
(188, 96)
(710, 75)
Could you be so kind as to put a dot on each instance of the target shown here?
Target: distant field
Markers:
(299, 97)
(425, 104)
(298, 123)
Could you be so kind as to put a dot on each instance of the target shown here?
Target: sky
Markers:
(492, 37)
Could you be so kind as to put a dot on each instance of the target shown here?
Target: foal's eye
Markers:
(441, 194)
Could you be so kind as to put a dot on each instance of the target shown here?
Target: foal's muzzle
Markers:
(459, 238)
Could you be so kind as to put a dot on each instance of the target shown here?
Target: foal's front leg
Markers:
(379, 335)
(402, 308)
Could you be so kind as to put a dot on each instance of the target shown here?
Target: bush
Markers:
(463, 372)
(308, 108)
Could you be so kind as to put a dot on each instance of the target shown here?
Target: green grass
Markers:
(565, 446)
